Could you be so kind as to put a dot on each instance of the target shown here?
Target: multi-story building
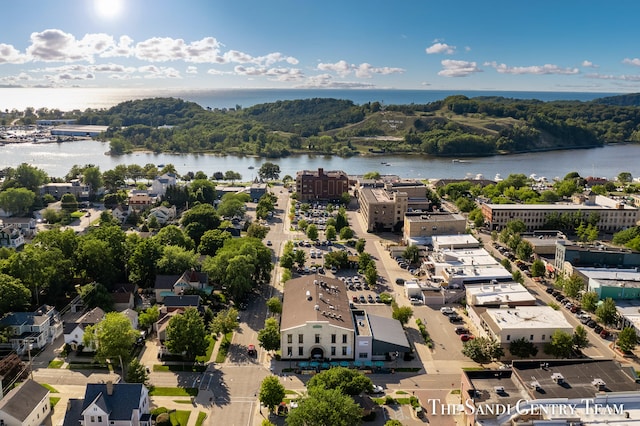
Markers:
(11, 237)
(32, 330)
(568, 255)
(321, 185)
(26, 405)
(75, 187)
(423, 226)
(612, 215)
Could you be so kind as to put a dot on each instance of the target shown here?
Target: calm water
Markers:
(68, 99)
(609, 161)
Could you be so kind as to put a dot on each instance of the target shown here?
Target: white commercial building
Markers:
(467, 266)
(535, 324)
(499, 294)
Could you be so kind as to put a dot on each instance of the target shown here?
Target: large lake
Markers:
(608, 161)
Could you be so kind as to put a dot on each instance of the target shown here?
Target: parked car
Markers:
(598, 328)
(400, 281)
(461, 330)
(605, 334)
(251, 350)
(355, 299)
(591, 324)
(549, 290)
(362, 299)
(455, 319)
(370, 299)
(467, 337)
(585, 319)
(447, 310)
(377, 389)
(378, 300)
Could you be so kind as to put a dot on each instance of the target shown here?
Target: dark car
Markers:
(400, 281)
(355, 299)
(370, 299)
(362, 299)
(461, 330)
(455, 319)
(549, 290)
(598, 328)
(605, 334)
(378, 300)
(591, 324)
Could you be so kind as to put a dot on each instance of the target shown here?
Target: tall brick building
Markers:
(321, 185)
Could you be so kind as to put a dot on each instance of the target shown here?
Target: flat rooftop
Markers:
(528, 317)
(578, 375)
(503, 293)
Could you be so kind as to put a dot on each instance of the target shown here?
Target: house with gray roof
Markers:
(119, 404)
(32, 330)
(25, 405)
(74, 331)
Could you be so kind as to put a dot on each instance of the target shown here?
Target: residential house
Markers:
(74, 331)
(160, 326)
(161, 183)
(26, 225)
(163, 214)
(123, 297)
(11, 237)
(175, 285)
(171, 303)
(25, 405)
(110, 404)
(140, 200)
(132, 316)
(32, 330)
(121, 213)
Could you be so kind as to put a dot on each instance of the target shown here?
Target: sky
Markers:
(543, 45)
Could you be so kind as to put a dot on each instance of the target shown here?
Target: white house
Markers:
(25, 405)
(163, 214)
(132, 316)
(161, 183)
(32, 330)
(109, 404)
(74, 332)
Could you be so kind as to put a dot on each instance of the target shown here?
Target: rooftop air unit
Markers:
(308, 295)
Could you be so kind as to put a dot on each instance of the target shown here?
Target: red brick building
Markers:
(321, 185)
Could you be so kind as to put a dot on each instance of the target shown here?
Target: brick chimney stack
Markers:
(109, 388)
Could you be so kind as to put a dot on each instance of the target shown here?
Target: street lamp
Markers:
(29, 347)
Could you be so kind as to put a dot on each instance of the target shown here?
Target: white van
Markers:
(447, 310)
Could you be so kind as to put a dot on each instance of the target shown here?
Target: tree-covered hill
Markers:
(454, 126)
(629, 99)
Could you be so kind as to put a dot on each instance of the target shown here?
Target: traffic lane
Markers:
(446, 343)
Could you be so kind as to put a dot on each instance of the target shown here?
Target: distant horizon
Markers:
(496, 45)
(81, 98)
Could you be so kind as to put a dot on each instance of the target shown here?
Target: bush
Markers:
(163, 420)
(157, 411)
(389, 400)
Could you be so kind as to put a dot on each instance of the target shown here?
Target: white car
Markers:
(446, 310)
(377, 389)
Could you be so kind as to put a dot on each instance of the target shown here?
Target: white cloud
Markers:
(325, 81)
(342, 68)
(192, 70)
(279, 74)
(533, 69)
(589, 64)
(124, 48)
(153, 71)
(364, 70)
(634, 62)
(622, 77)
(440, 48)
(453, 68)
(11, 55)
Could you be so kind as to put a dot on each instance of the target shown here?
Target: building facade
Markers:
(612, 215)
(26, 405)
(321, 185)
(420, 226)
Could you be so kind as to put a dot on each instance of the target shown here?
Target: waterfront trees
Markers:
(17, 200)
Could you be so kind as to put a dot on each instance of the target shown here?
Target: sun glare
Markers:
(109, 9)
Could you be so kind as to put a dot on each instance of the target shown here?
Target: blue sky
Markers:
(560, 45)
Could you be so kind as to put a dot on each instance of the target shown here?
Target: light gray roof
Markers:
(388, 335)
(21, 401)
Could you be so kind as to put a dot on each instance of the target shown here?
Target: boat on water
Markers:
(251, 167)
(383, 162)
(457, 160)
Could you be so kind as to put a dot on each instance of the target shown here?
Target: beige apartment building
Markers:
(422, 226)
(612, 215)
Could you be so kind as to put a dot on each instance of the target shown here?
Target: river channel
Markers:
(57, 159)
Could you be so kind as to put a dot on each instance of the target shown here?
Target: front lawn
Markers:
(160, 391)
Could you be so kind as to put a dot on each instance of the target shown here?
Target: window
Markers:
(508, 337)
(99, 419)
(300, 351)
(333, 351)
(289, 351)
(344, 350)
(344, 338)
(333, 338)
(543, 337)
(363, 355)
(531, 337)
(93, 419)
(300, 338)
(289, 338)
(317, 339)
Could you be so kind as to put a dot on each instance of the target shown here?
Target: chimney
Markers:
(320, 171)
(109, 388)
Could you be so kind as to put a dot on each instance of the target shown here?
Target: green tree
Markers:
(136, 372)
(524, 250)
(92, 176)
(113, 337)
(522, 348)
(269, 171)
(360, 245)
(96, 295)
(580, 338)
(560, 346)
(17, 200)
(230, 206)
(393, 422)
(232, 176)
(312, 232)
(589, 301)
(213, 240)
(148, 317)
(627, 339)
(402, 314)
(172, 235)
(94, 260)
(330, 233)
(482, 349)
(258, 231)
(175, 260)
(573, 286)
(323, 407)
(346, 380)
(624, 177)
(271, 392)
(412, 254)
(346, 233)
(607, 312)
(371, 275)
(186, 333)
(199, 219)
(537, 268)
(371, 175)
(269, 336)
(25, 176)
(224, 322)
(15, 296)
(142, 262)
(275, 305)
(69, 203)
